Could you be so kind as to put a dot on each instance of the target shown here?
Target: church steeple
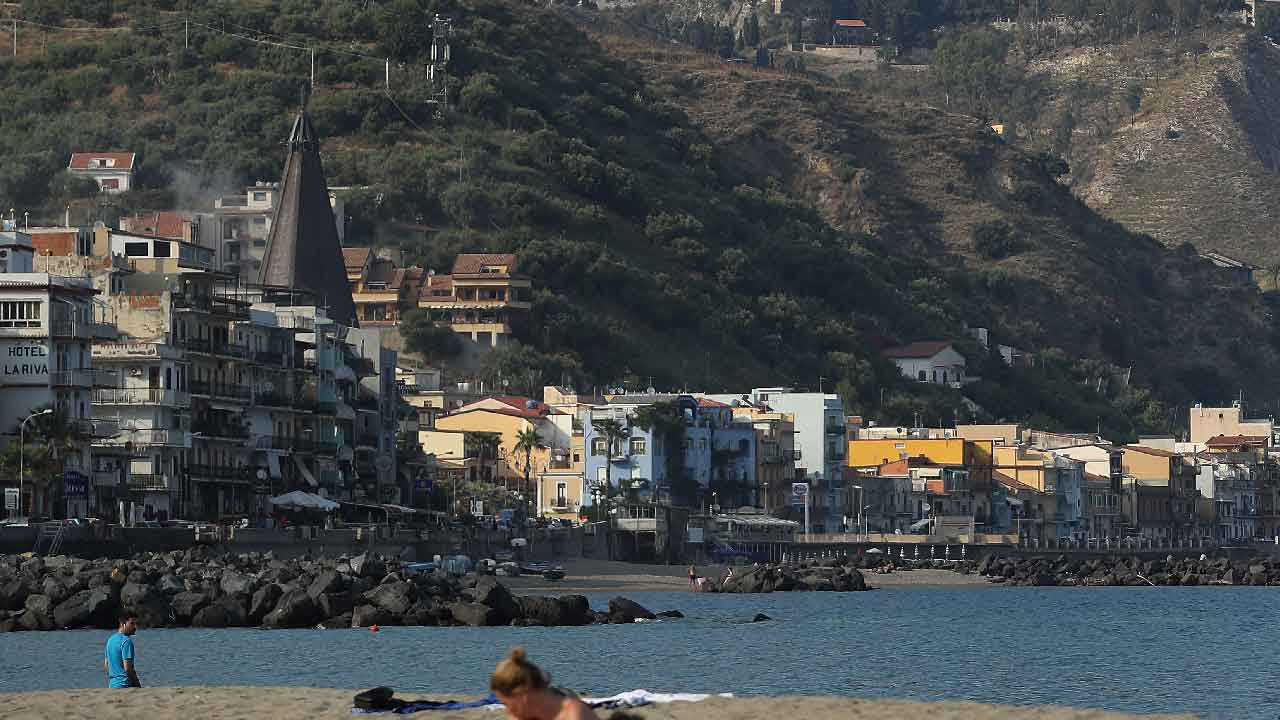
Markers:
(303, 251)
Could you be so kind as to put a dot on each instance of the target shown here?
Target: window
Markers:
(599, 446)
(638, 446)
(259, 196)
(109, 183)
(561, 500)
(577, 457)
(21, 313)
(259, 221)
(922, 376)
(161, 249)
(136, 249)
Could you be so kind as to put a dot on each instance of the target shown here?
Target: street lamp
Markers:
(21, 451)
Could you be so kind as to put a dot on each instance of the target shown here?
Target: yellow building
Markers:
(483, 298)
(973, 455)
(380, 289)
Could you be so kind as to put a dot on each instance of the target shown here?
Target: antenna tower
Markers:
(437, 70)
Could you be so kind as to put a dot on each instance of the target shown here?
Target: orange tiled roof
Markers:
(1235, 440)
(851, 23)
(355, 258)
(123, 160)
(706, 402)
(473, 263)
(1150, 451)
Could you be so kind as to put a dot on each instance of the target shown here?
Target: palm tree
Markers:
(614, 432)
(49, 438)
(527, 441)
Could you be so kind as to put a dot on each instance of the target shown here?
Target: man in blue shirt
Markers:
(119, 662)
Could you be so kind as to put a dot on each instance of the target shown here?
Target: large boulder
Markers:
(87, 608)
(55, 589)
(328, 581)
(186, 604)
(296, 609)
(541, 610)
(574, 610)
(170, 585)
(210, 616)
(13, 594)
(366, 566)
(263, 602)
(370, 615)
(473, 614)
(336, 603)
(748, 581)
(622, 610)
(234, 583)
(488, 591)
(395, 598)
(39, 613)
(146, 604)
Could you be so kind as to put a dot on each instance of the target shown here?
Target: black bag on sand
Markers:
(379, 698)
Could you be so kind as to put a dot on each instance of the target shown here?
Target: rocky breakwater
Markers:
(194, 589)
(1130, 572)
(831, 575)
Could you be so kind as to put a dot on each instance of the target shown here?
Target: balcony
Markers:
(86, 428)
(148, 482)
(197, 345)
(220, 430)
(141, 396)
(367, 441)
(71, 378)
(228, 308)
(238, 393)
(159, 437)
(835, 430)
(274, 399)
(105, 478)
(71, 329)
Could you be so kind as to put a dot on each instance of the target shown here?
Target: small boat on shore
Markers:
(553, 574)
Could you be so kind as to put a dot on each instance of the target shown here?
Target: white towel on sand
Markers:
(638, 698)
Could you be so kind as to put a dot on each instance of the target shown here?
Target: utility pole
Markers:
(186, 34)
(388, 74)
(313, 68)
(15, 37)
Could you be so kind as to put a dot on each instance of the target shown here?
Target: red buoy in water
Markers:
(373, 628)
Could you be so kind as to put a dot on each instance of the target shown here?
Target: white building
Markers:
(113, 171)
(47, 323)
(934, 362)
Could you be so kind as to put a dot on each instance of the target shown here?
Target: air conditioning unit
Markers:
(135, 372)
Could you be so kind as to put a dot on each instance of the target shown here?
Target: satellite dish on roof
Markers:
(651, 390)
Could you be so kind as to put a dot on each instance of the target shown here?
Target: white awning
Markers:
(304, 501)
(306, 474)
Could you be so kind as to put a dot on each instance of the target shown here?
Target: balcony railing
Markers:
(220, 430)
(141, 396)
(220, 390)
(159, 437)
(197, 345)
(274, 399)
(147, 482)
(229, 308)
(71, 328)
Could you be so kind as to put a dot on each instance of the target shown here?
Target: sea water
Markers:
(1208, 651)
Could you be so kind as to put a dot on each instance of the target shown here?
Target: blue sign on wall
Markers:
(74, 484)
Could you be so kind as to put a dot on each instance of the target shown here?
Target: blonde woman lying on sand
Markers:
(526, 691)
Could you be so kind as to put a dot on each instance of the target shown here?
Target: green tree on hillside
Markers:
(970, 66)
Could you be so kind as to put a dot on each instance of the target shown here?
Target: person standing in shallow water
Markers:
(122, 672)
(526, 692)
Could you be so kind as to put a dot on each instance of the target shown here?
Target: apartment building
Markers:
(47, 325)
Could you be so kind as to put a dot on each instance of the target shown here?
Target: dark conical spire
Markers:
(303, 251)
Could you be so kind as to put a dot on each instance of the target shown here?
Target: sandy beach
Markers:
(604, 576)
(208, 703)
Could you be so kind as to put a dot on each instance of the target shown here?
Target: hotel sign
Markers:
(125, 350)
(24, 362)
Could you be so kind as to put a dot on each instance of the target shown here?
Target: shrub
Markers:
(995, 240)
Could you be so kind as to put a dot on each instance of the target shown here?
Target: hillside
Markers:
(687, 224)
(1198, 161)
